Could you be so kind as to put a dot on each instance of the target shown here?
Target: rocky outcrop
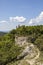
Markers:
(29, 54)
(20, 40)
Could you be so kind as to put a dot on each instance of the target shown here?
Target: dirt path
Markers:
(32, 61)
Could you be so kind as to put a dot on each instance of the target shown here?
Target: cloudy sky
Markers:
(20, 12)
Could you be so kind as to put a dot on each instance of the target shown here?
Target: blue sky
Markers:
(23, 12)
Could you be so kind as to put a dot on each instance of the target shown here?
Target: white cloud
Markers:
(38, 19)
(3, 21)
(18, 19)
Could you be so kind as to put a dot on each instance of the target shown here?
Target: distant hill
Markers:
(2, 33)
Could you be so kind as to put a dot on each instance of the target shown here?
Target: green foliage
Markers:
(39, 42)
(29, 30)
(8, 49)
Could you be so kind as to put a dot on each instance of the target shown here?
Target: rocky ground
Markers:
(30, 54)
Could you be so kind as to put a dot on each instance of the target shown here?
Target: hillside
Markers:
(22, 46)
